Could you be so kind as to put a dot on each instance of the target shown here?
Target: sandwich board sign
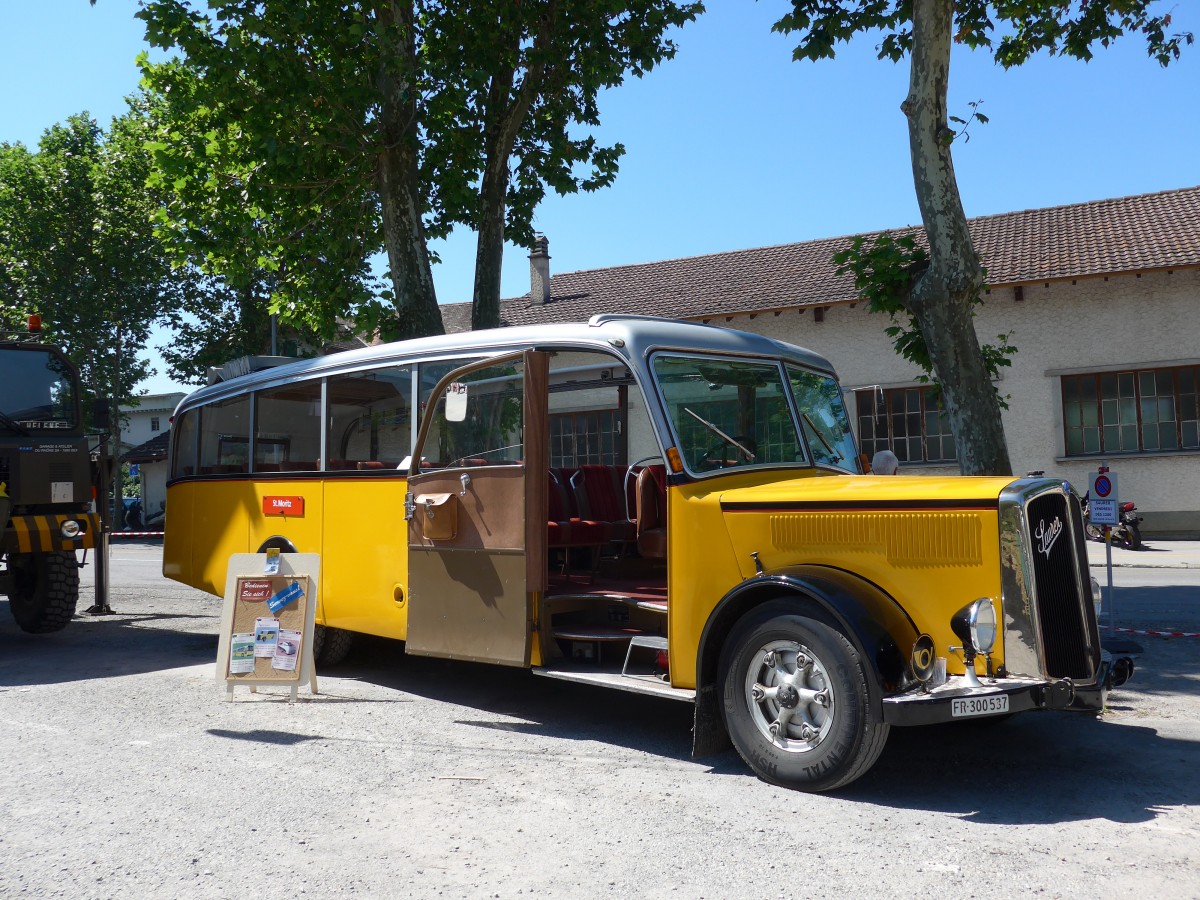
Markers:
(268, 621)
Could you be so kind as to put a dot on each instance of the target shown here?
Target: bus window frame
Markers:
(438, 394)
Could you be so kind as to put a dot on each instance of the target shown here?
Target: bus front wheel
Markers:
(796, 701)
(43, 590)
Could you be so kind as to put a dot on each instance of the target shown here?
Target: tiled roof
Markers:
(151, 451)
(1103, 237)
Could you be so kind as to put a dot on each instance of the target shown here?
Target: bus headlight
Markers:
(70, 529)
(975, 625)
(1097, 596)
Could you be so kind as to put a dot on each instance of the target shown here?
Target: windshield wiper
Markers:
(722, 435)
(821, 437)
(13, 425)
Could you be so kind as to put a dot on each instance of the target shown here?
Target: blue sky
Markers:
(731, 144)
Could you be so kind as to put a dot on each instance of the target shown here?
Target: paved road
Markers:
(129, 776)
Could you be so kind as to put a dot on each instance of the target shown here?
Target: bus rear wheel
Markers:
(796, 701)
(331, 645)
(43, 590)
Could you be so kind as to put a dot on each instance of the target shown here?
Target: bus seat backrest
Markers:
(652, 512)
(596, 487)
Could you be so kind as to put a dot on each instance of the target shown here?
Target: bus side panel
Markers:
(177, 539)
(701, 568)
(364, 570)
(208, 522)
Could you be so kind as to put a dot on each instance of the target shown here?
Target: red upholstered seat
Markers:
(599, 492)
(565, 528)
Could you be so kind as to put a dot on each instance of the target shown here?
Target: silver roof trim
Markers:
(631, 338)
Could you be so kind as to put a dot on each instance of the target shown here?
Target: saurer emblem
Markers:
(1047, 535)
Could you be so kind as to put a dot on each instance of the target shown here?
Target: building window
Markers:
(585, 438)
(907, 421)
(154, 423)
(1128, 412)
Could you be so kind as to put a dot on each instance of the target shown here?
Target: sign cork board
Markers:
(268, 620)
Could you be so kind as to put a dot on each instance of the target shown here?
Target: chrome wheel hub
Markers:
(789, 696)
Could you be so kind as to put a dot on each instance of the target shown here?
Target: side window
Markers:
(183, 442)
(287, 433)
(479, 421)
(370, 419)
(728, 413)
(824, 419)
(225, 437)
(1134, 411)
(908, 421)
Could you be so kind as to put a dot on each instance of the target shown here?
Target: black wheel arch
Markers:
(277, 542)
(881, 631)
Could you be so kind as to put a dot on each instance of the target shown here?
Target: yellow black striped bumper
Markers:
(39, 534)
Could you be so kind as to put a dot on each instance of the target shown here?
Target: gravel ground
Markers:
(130, 775)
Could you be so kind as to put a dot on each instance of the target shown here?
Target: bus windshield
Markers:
(39, 391)
(728, 413)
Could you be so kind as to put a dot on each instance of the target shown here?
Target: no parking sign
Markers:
(1102, 505)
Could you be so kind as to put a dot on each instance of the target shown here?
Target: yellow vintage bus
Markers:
(653, 506)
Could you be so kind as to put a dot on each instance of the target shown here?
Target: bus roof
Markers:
(631, 338)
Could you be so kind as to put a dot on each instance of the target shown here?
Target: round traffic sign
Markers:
(1103, 486)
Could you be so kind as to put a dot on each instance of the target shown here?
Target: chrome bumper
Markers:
(920, 707)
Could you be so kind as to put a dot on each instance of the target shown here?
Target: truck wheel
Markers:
(331, 645)
(795, 701)
(44, 590)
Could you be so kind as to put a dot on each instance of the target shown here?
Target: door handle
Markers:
(466, 483)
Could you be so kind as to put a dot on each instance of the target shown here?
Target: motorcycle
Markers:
(1126, 534)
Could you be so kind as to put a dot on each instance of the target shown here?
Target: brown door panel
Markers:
(490, 510)
(468, 604)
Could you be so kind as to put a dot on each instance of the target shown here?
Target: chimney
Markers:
(539, 271)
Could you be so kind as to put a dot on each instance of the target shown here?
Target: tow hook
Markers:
(1058, 694)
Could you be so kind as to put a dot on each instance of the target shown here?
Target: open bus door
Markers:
(476, 512)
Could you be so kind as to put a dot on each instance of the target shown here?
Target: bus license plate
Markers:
(996, 704)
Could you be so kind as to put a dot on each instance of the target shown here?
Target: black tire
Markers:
(825, 744)
(44, 590)
(331, 645)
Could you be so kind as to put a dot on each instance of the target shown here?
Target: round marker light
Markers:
(975, 625)
(70, 529)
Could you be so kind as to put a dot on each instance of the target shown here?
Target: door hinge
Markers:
(410, 506)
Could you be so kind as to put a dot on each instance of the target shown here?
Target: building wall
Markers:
(154, 488)
(135, 429)
(1121, 321)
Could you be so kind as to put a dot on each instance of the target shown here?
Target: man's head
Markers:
(884, 463)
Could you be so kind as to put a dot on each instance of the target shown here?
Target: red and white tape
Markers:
(116, 534)
(1153, 633)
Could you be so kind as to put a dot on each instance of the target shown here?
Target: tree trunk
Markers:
(943, 295)
(503, 123)
(398, 175)
(493, 194)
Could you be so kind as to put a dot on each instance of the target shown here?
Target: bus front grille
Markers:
(1062, 587)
